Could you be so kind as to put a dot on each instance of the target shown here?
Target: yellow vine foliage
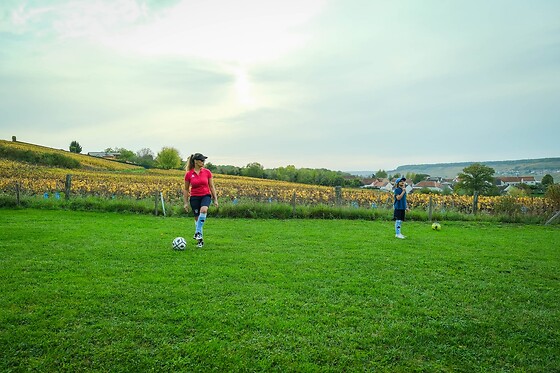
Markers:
(136, 182)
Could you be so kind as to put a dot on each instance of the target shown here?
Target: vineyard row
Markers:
(36, 180)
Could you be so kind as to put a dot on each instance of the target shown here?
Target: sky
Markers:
(338, 84)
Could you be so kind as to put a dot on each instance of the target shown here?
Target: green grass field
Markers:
(105, 292)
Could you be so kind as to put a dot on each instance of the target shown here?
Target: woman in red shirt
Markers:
(199, 193)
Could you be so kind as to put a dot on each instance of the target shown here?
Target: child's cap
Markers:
(400, 179)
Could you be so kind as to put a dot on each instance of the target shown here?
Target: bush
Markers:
(553, 193)
(508, 211)
(7, 202)
(255, 210)
(507, 205)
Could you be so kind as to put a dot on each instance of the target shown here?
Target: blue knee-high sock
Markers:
(398, 226)
(200, 222)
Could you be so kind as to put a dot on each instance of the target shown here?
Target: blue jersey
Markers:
(399, 204)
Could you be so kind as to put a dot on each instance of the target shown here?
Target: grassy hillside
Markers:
(21, 149)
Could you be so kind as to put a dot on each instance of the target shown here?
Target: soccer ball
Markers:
(436, 226)
(179, 243)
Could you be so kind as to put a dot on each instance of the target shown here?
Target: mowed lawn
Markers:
(105, 292)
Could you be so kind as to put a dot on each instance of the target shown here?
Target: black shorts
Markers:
(198, 201)
(398, 214)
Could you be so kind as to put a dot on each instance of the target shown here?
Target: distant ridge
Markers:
(523, 167)
(489, 163)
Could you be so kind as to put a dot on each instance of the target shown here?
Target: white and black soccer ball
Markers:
(436, 226)
(179, 243)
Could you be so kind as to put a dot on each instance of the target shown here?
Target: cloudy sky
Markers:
(337, 84)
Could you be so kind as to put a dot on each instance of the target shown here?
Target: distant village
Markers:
(442, 185)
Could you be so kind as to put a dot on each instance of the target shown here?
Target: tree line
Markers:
(475, 178)
(170, 158)
(316, 176)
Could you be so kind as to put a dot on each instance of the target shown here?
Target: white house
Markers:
(106, 155)
(434, 186)
(515, 180)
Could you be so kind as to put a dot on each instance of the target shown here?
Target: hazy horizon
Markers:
(341, 84)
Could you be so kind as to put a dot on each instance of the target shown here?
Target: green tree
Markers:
(168, 158)
(381, 174)
(75, 147)
(356, 183)
(476, 178)
(306, 176)
(525, 188)
(126, 155)
(517, 192)
(209, 165)
(419, 177)
(145, 158)
(228, 170)
(547, 180)
(288, 173)
(145, 153)
(254, 169)
(553, 193)
(123, 154)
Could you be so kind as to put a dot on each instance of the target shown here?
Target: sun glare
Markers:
(243, 88)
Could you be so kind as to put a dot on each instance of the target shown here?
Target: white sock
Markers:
(200, 222)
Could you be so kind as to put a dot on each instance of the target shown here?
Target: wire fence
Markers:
(162, 189)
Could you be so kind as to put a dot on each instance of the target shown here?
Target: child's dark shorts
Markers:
(398, 214)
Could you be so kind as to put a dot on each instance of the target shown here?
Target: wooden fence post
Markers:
(17, 193)
(157, 200)
(430, 207)
(294, 203)
(475, 203)
(338, 195)
(67, 186)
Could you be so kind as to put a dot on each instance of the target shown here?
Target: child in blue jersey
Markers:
(400, 206)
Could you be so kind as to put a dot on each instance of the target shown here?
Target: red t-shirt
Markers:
(199, 182)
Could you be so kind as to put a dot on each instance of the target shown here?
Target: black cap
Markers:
(199, 157)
